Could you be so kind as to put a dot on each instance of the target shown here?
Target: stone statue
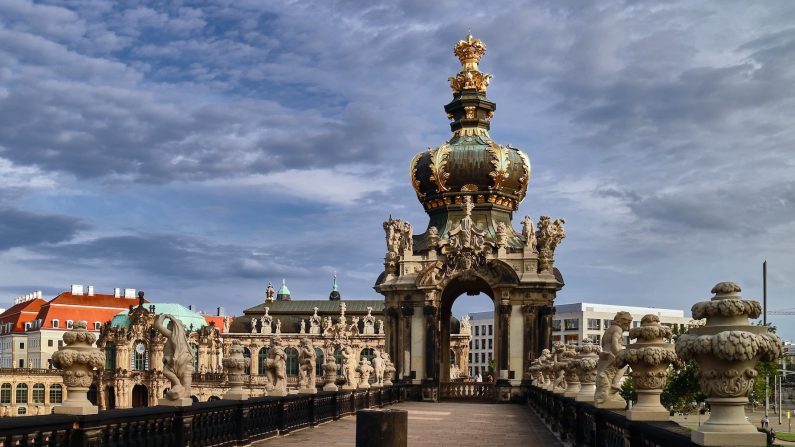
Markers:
(349, 365)
(177, 361)
(327, 328)
(407, 237)
(253, 325)
(433, 237)
(270, 292)
(353, 329)
(266, 321)
(314, 323)
(278, 326)
(378, 368)
(276, 370)
(307, 363)
(369, 322)
(608, 376)
(528, 233)
(548, 236)
(466, 325)
(303, 327)
(364, 371)
(380, 329)
(389, 369)
(501, 234)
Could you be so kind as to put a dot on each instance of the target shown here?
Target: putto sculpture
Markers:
(78, 359)
(307, 363)
(177, 361)
(727, 349)
(648, 358)
(364, 369)
(378, 368)
(349, 366)
(609, 376)
(276, 369)
(389, 369)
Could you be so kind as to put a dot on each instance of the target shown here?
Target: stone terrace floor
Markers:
(439, 425)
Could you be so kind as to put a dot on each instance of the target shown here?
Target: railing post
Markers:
(312, 410)
(242, 411)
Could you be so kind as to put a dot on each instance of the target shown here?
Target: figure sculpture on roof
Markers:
(266, 321)
(528, 233)
(314, 323)
(177, 357)
(253, 325)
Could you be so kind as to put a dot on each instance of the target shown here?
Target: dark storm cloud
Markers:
(20, 228)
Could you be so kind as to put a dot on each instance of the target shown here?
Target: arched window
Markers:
(38, 393)
(140, 357)
(56, 394)
(292, 361)
(5, 393)
(22, 393)
(338, 358)
(452, 358)
(319, 366)
(247, 355)
(262, 356)
(367, 353)
(110, 355)
(194, 349)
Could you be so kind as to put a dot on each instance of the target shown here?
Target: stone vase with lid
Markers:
(77, 359)
(235, 364)
(587, 358)
(648, 358)
(727, 349)
(568, 355)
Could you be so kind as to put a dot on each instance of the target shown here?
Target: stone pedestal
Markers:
(381, 428)
(585, 364)
(277, 393)
(181, 402)
(648, 407)
(727, 349)
(78, 359)
(307, 390)
(235, 365)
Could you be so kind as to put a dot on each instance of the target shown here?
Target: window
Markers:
(606, 323)
(319, 359)
(97, 325)
(292, 361)
(55, 323)
(491, 329)
(491, 343)
(596, 338)
(594, 324)
(338, 358)
(571, 324)
(477, 330)
(470, 344)
(21, 345)
(556, 338)
(49, 343)
(194, 349)
(21, 363)
(470, 357)
(60, 343)
(38, 393)
(555, 325)
(483, 329)
(247, 355)
(5, 393)
(477, 344)
(636, 324)
(490, 356)
(571, 339)
(262, 358)
(56, 394)
(22, 410)
(22, 393)
(69, 324)
(140, 357)
(27, 326)
(110, 355)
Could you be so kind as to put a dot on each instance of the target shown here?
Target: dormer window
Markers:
(97, 325)
(55, 323)
(69, 324)
(27, 326)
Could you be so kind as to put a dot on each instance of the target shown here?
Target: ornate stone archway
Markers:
(470, 187)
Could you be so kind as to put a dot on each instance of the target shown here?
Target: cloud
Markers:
(20, 228)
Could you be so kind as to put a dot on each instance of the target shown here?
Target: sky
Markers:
(198, 151)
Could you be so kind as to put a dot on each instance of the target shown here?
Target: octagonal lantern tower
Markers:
(470, 187)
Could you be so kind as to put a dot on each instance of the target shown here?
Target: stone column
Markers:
(505, 336)
(403, 359)
(78, 359)
(727, 350)
(431, 342)
(531, 351)
(253, 364)
(545, 317)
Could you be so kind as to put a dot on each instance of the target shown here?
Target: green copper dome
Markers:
(189, 318)
(283, 294)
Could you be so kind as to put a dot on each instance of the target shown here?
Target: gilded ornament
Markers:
(470, 112)
(469, 52)
(500, 163)
(415, 182)
(525, 178)
(438, 162)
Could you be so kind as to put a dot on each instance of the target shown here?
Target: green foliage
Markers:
(681, 392)
(628, 390)
(765, 371)
(490, 369)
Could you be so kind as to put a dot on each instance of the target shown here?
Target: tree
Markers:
(681, 392)
(764, 371)
(628, 390)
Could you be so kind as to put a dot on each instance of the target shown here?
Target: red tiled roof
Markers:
(21, 313)
(91, 309)
(218, 321)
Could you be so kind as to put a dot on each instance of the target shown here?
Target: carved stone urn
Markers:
(727, 349)
(330, 369)
(77, 359)
(568, 355)
(235, 365)
(585, 363)
(389, 372)
(648, 358)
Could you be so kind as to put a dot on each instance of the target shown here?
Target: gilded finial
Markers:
(469, 52)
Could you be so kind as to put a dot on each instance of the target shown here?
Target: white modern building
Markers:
(574, 322)
(481, 348)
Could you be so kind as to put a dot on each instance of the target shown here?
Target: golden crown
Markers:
(470, 51)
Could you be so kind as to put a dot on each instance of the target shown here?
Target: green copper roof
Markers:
(183, 314)
(324, 307)
(283, 290)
